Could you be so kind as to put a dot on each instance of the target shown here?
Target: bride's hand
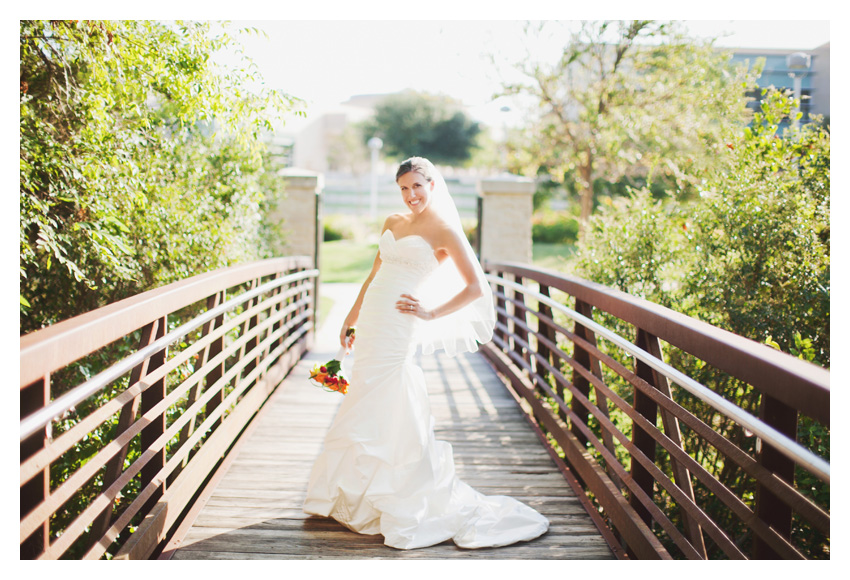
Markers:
(410, 305)
(344, 339)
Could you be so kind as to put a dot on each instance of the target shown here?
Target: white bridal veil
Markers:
(462, 330)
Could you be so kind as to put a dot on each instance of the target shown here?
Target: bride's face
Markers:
(415, 190)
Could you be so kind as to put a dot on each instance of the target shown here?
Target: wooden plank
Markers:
(255, 510)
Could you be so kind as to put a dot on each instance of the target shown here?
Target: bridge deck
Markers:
(255, 510)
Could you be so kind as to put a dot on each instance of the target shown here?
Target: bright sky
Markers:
(326, 62)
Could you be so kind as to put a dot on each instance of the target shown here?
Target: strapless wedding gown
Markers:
(381, 470)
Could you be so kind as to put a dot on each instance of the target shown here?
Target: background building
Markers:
(814, 97)
(325, 146)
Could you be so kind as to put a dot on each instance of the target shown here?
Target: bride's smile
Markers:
(416, 191)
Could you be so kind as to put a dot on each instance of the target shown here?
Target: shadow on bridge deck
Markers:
(255, 510)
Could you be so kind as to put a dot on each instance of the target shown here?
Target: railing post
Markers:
(313, 295)
(151, 396)
(212, 302)
(248, 326)
(681, 475)
(36, 490)
(583, 358)
(769, 508)
(548, 332)
(217, 371)
(501, 304)
(128, 416)
(591, 363)
(273, 311)
(520, 312)
(641, 439)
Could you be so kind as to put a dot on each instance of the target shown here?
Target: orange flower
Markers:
(327, 377)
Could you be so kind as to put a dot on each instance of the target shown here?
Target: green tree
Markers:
(761, 236)
(751, 255)
(141, 161)
(435, 127)
(633, 98)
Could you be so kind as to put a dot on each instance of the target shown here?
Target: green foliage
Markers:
(633, 244)
(337, 227)
(430, 126)
(633, 98)
(550, 227)
(761, 245)
(486, 153)
(750, 254)
(141, 161)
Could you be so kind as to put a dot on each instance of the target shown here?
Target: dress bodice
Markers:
(409, 252)
(382, 330)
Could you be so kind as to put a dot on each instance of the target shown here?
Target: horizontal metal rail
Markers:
(154, 444)
(788, 447)
(97, 383)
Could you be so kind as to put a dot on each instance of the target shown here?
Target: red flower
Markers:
(328, 376)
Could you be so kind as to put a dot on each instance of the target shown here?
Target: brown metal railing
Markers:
(128, 410)
(660, 482)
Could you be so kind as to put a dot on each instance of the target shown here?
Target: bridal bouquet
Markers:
(328, 375)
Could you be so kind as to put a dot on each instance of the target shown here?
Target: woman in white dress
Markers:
(381, 470)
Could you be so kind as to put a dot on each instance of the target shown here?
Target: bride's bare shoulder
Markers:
(393, 221)
(445, 235)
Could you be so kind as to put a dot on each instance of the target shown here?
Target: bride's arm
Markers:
(455, 248)
(354, 313)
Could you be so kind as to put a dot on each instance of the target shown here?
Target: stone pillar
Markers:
(505, 222)
(298, 213)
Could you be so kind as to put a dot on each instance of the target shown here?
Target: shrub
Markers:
(331, 233)
(549, 227)
(141, 163)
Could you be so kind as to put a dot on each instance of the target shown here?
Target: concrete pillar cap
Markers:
(298, 177)
(506, 183)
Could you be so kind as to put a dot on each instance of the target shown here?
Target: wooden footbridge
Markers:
(254, 512)
(179, 424)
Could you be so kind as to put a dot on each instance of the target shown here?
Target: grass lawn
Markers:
(556, 257)
(346, 261)
(350, 261)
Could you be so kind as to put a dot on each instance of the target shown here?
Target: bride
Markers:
(381, 470)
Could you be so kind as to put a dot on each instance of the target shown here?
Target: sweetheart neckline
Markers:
(395, 239)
